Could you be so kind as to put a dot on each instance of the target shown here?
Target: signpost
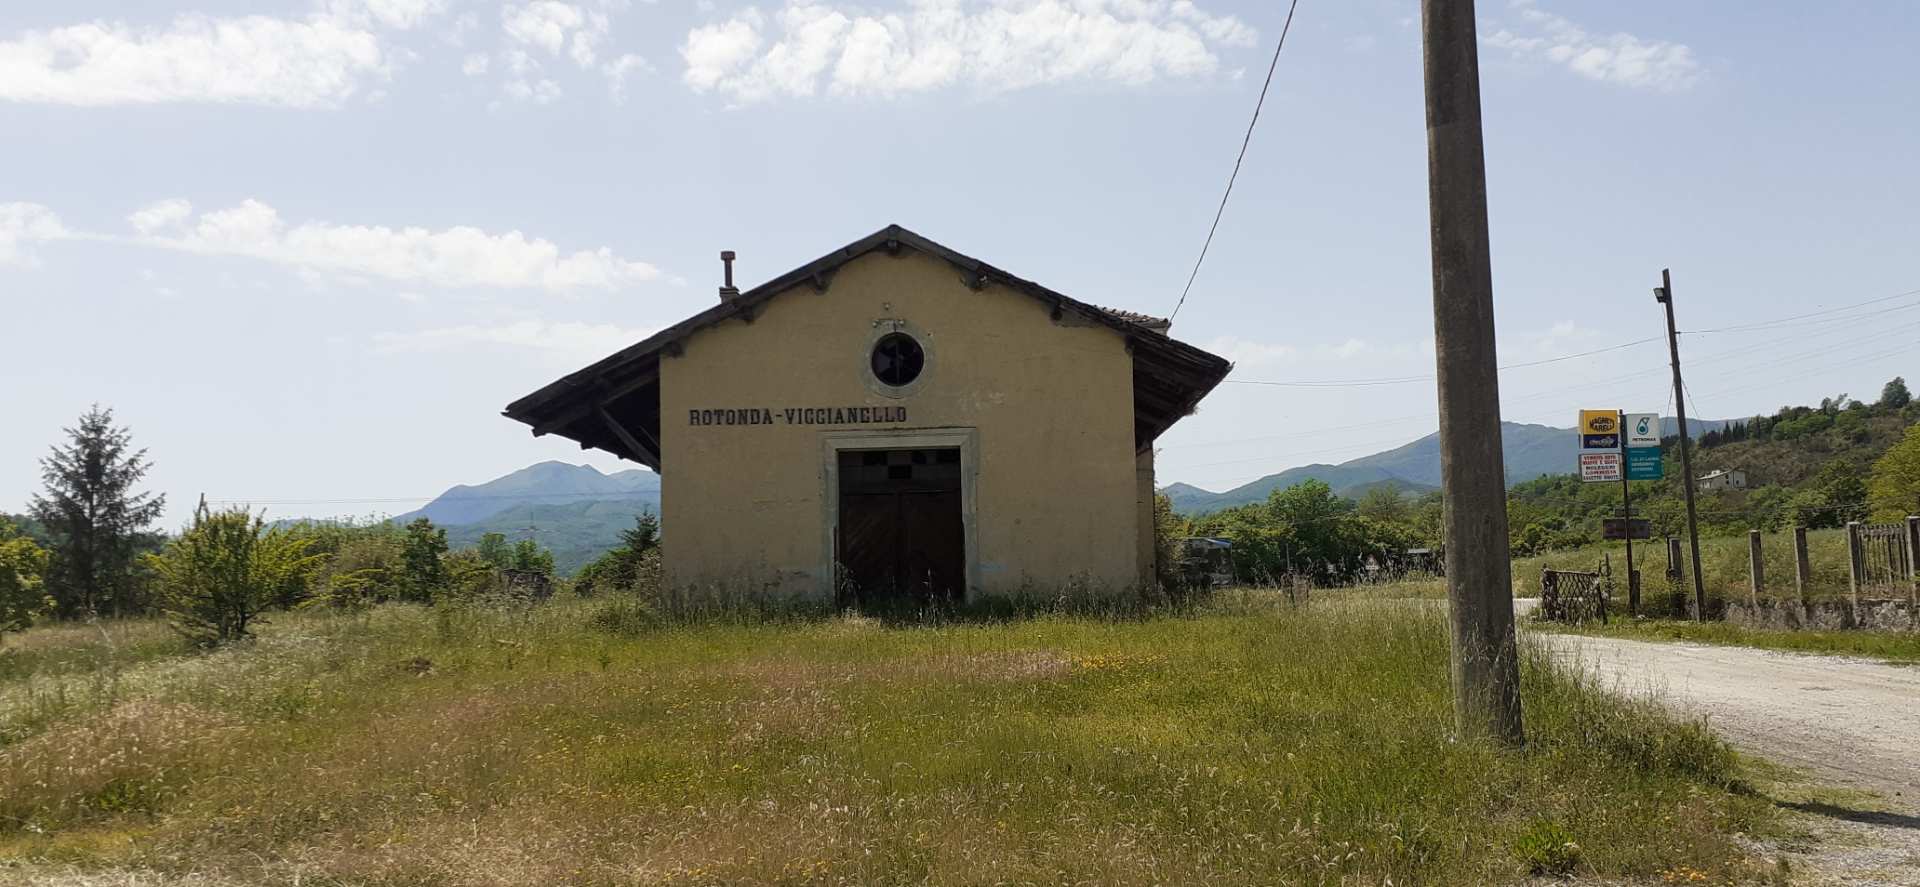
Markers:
(1642, 429)
(1643, 463)
(1617, 446)
(1628, 528)
(1598, 468)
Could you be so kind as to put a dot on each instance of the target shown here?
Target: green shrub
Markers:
(625, 616)
(1546, 848)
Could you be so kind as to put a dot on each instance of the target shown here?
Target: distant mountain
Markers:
(573, 510)
(545, 483)
(1530, 451)
(1349, 479)
(576, 532)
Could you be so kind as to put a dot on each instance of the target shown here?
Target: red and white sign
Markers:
(1600, 467)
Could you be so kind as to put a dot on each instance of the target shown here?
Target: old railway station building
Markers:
(893, 423)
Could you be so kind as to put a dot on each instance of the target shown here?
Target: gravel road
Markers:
(1847, 722)
(1851, 721)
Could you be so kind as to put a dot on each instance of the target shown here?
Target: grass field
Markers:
(1245, 743)
(1725, 572)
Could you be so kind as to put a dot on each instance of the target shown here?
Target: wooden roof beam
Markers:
(596, 401)
(642, 453)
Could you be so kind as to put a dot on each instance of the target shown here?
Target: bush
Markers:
(1546, 848)
(219, 575)
(22, 566)
(625, 616)
(365, 571)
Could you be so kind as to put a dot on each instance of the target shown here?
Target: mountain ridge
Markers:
(543, 483)
(1529, 450)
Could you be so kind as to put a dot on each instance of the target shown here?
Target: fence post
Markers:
(1802, 570)
(1605, 585)
(1913, 570)
(1758, 569)
(1856, 572)
(1676, 572)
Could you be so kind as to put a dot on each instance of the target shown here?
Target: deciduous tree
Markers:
(1895, 395)
(422, 573)
(224, 571)
(1894, 490)
(22, 566)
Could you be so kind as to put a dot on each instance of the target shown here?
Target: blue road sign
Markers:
(1643, 463)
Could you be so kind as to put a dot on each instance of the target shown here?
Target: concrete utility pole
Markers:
(1486, 674)
(1664, 295)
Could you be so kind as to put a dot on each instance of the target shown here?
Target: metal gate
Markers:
(1568, 596)
(1881, 567)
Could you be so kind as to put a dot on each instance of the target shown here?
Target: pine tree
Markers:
(645, 535)
(93, 516)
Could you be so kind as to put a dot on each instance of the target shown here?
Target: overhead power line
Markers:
(1403, 380)
(1833, 324)
(1767, 324)
(1244, 142)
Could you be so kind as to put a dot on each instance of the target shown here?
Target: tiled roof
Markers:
(1157, 324)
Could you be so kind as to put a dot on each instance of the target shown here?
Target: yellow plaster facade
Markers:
(1042, 408)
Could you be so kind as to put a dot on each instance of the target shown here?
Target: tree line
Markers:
(86, 549)
(1812, 466)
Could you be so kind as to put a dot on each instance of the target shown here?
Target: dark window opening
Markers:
(898, 359)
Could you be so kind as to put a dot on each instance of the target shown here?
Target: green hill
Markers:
(1531, 451)
(576, 532)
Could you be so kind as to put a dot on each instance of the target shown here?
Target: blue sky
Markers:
(309, 249)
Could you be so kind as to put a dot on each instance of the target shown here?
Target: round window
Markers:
(898, 359)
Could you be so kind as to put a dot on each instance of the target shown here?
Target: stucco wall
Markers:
(1056, 487)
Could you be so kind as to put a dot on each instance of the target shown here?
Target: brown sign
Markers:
(1626, 528)
(799, 416)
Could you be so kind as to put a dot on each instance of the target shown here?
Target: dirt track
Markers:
(1852, 721)
(1848, 722)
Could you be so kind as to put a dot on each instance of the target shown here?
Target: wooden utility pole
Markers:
(1486, 674)
(1626, 516)
(1664, 295)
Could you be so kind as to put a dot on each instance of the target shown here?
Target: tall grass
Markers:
(1725, 570)
(1243, 742)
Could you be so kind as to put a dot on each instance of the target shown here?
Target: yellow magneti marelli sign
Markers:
(1599, 421)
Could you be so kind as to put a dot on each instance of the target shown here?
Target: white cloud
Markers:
(453, 257)
(160, 214)
(474, 65)
(399, 14)
(994, 45)
(569, 340)
(321, 60)
(556, 27)
(1246, 353)
(1615, 58)
(539, 92)
(1562, 336)
(617, 72)
(26, 223)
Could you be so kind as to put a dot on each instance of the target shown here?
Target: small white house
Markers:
(1725, 479)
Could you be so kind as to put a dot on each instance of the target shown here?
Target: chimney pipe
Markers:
(727, 290)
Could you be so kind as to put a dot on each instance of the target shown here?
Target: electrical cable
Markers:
(1248, 140)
